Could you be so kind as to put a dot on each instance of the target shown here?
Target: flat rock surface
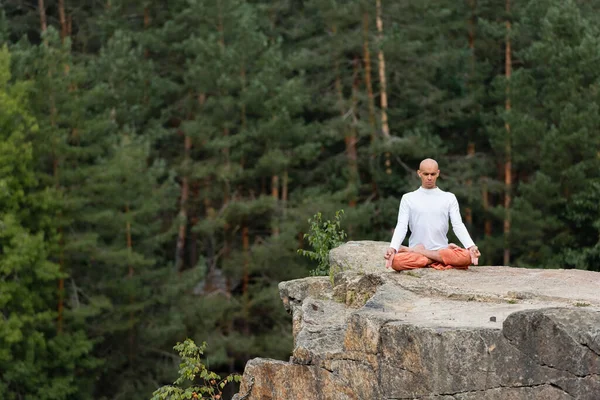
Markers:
(506, 282)
(490, 332)
(480, 293)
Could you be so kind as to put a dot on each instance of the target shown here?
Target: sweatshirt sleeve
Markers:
(457, 225)
(401, 225)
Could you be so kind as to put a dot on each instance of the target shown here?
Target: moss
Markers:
(333, 270)
(350, 297)
(580, 304)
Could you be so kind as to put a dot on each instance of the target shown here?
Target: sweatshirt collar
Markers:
(427, 191)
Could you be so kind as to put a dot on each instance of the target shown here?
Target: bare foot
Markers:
(389, 262)
(403, 249)
(389, 257)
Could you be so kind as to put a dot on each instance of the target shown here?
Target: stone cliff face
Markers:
(488, 333)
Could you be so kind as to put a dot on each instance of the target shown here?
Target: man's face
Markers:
(428, 174)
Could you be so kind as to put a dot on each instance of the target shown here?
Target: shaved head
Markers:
(428, 172)
(428, 163)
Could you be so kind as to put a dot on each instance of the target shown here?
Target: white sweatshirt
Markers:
(426, 212)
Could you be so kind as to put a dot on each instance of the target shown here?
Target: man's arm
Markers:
(457, 225)
(401, 225)
(461, 232)
(399, 232)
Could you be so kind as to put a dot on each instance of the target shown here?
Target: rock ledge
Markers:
(488, 333)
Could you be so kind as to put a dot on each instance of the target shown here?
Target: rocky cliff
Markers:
(488, 333)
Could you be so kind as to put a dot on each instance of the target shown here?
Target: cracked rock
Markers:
(378, 334)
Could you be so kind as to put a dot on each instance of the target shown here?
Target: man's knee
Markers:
(409, 260)
(457, 257)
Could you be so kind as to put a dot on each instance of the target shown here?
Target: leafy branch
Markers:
(323, 236)
(191, 370)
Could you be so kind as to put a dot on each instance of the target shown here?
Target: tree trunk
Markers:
(245, 277)
(351, 135)
(369, 86)
(338, 82)
(42, 10)
(63, 20)
(471, 144)
(146, 55)
(226, 189)
(179, 253)
(221, 31)
(508, 150)
(146, 25)
(61, 242)
(385, 129)
(486, 206)
(210, 213)
(130, 276)
(368, 83)
(243, 107)
(468, 209)
(55, 174)
(284, 191)
(61, 284)
(184, 197)
(275, 196)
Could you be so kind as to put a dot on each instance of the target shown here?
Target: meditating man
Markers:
(426, 212)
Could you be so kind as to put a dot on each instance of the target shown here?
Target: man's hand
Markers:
(389, 253)
(475, 254)
(389, 256)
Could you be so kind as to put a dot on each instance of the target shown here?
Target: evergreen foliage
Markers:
(36, 360)
(160, 165)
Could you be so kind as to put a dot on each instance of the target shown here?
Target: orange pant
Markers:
(458, 258)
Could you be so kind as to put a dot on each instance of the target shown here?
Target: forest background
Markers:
(159, 162)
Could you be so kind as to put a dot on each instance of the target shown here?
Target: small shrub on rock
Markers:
(195, 380)
(323, 236)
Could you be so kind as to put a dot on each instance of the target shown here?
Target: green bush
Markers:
(323, 236)
(192, 370)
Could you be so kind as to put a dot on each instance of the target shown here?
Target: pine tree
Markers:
(239, 109)
(125, 218)
(36, 360)
(556, 141)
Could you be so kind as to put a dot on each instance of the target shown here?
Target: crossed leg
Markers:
(419, 257)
